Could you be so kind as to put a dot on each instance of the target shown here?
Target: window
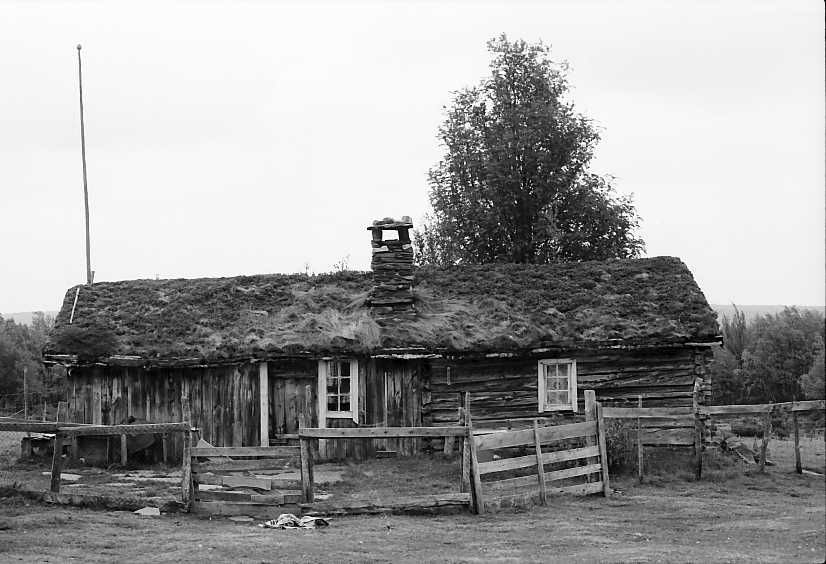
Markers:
(339, 381)
(557, 385)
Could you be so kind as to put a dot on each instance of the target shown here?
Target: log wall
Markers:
(507, 387)
(224, 400)
(390, 394)
(399, 393)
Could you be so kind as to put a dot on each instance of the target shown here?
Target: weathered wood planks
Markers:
(381, 432)
(647, 412)
(546, 434)
(425, 504)
(517, 462)
(540, 469)
(87, 430)
(593, 454)
(478, 500)
(225, 400)
(306, 462)
(603, 451)
(525, 481)
(793, 406)
(57, 463)
(262, 452)
(229, 465)
(507, 388)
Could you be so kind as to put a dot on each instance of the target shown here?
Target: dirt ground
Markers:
(733, 515)
(777, 517)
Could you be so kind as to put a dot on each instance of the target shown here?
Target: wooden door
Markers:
(401, 402)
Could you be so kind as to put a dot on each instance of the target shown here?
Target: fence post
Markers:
(306, 461)
(798, 466)
(57, 462)
(603, 451)
(186, 459)
(449, 441)
(590, 415)
(65, 411)
(25, 395)
(26, 448)
(464, 484)
(123, 449)
(639, 442)
(698, 432)
(475, 478)
(767, 430)
(540, 467)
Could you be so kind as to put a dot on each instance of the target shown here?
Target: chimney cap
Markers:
(390, 223)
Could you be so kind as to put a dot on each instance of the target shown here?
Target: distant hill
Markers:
(753, 311)
(25, 317)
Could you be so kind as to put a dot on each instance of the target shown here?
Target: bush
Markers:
(620, 445)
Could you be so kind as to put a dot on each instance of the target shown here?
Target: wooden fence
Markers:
(308, 436)
(767, 410)
(688, 426)
(577, 463)
(224, 464)
(63, 434)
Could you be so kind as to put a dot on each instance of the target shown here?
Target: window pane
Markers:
(345, 402)
(332, 385)
(344, 386)
(332, 403)
(562, 370)
(557, 398)
(332, 369)
(556, 384)
(344, 368)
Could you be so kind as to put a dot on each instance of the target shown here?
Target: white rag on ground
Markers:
(290, 521)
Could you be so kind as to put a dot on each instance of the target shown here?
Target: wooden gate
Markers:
(517, 468)
(244, 480)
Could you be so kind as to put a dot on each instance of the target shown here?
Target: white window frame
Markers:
(353, 412)
(572, 385)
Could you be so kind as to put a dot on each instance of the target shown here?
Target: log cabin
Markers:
(393, 347)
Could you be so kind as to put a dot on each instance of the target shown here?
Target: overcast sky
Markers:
(227, 138)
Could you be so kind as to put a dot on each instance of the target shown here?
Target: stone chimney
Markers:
(392, 264)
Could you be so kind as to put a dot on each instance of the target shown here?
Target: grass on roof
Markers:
(468, 308)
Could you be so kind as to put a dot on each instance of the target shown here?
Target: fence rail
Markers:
(647, 412)
(673, 425)
(584, 462)
(22, 425)
(381, 432)
(790, 406)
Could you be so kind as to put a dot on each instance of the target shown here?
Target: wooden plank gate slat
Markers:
(589, 462)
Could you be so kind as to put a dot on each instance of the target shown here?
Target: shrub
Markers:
(620, 445)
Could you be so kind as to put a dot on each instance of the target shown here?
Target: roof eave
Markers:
(403, 353)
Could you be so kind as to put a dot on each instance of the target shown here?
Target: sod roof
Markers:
(460, 309)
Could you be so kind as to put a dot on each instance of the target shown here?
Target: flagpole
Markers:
(89, 273)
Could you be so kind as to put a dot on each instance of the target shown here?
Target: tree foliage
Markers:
(21, 349)
(514, 183)
(773, 358)
(813, 383)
